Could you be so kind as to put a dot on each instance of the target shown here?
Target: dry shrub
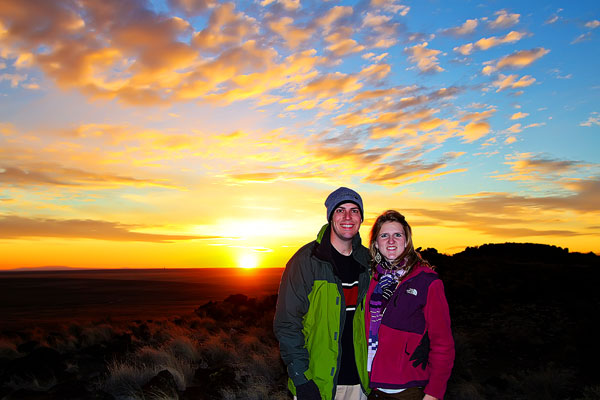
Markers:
(151, 356)
(250, 343)
(218, 350)
(182, 347)
(96, 334)
(8, 349)
(125, 379)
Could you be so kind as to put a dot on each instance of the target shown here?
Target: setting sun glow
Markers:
(248, 261)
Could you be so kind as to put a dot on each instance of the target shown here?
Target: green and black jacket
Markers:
(310, 316)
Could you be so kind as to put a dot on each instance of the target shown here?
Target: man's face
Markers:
(345, 221)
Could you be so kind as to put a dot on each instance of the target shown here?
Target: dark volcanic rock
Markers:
(161, 386)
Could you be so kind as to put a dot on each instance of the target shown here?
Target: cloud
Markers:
(408, 168)
(528, 167)
(516, 128)
(553, 18)
(289, 5)
(391, 6)
(192, 7)
(267, 177)
(504, 20)
(426, 59)
(293, 36)
(518, 59)
(126, 51)
(225, 28)
(340, 44)
(592, 24)
(582, 38)
(53, 174)
(593, 119)
(487, 43)
(467, 28)
(14, 79)
(518, 115)
(17, 227)
(512, 82)
(465, 49)
(332, 17)
(515, 216)
(331, 85)
(475, 130)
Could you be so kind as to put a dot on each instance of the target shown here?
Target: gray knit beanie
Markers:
(340, 196)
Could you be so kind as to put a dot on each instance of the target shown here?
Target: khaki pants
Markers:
(415, 393)
(348, 392)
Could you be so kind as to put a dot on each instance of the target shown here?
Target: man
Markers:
(319, 319)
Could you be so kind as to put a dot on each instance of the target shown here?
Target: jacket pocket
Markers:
(392, 363)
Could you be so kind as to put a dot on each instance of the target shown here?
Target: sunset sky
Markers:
(199, 133)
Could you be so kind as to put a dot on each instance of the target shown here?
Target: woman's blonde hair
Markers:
(409, 256)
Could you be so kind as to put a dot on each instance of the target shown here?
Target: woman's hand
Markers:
(428, 397)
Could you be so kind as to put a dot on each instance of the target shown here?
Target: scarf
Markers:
(388, 281)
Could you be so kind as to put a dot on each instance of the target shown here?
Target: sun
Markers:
(248, 261)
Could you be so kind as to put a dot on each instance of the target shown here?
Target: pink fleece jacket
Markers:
(417, 311)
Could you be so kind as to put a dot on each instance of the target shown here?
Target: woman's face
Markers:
(391, 240)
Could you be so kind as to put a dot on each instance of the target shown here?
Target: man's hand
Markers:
(428, 397)
(308, 391)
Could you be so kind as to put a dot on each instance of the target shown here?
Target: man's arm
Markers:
(292, 305)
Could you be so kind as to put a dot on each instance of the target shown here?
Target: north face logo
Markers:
(411, 291)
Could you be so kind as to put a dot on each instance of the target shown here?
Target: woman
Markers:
(411, 350)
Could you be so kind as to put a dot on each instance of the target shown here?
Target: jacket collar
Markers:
(323, 247)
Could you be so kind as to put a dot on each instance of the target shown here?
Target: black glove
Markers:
(421, 354)
(308, 391)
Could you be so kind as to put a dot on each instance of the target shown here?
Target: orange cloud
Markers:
(333, 16)
(192, 7)
(341, 45)
(504, 20)
(518, 59)
(289, 5)
(536, 168)
(511, 81)
(519, 115)
(225, 28)
(331, 85)
(292, 35)
(487, 43)
(426, 59)
(467, 28)
(475, 130)
(16, 227)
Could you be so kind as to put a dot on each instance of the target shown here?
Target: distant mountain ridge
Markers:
(46, 268)
(516, 252)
